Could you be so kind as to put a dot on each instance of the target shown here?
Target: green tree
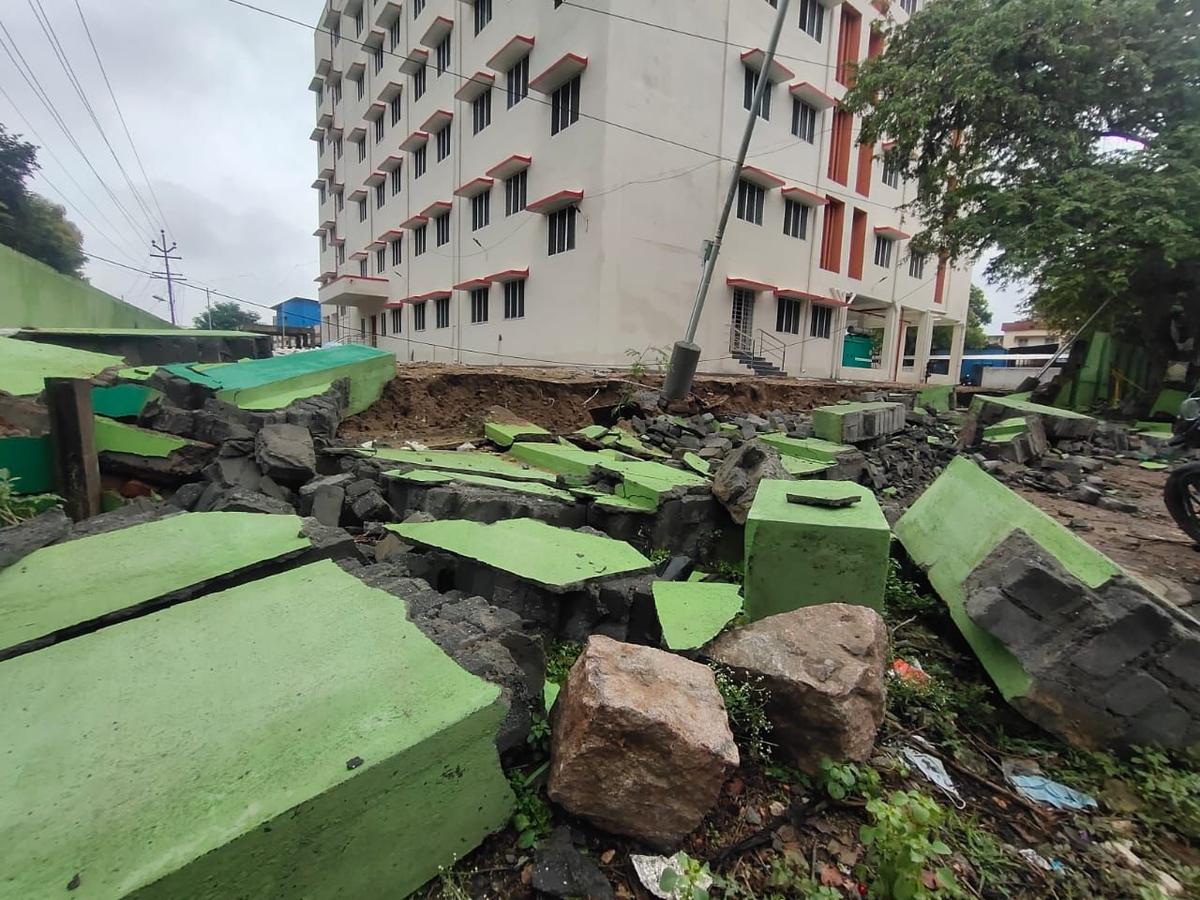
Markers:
(31, 223)
(225, 316)
(978, 315)
(1064, 133)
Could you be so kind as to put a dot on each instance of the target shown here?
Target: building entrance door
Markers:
(374, 332)
(741, 324)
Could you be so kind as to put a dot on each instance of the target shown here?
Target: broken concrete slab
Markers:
(640, 743)
(18, 541)
(738, 478)
(468, 463)
(398, 778)
(25, 365)
(503, 429)
(285, 452)
(802, 555)
(58, 592)
(1060, 424)
(808, 457)
(481, 498)
(558, 559)
(851, 423)
(619, 439)
(692, 613)
(431, 476)
(643, 479)
(149, 455)
(823, 671)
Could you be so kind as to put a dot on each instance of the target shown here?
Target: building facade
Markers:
(504, 182)
(1026, 333)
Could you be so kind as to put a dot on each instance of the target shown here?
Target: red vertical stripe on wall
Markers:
(831, 235)
(858, 244)
(862, 179)
(849, 38)
(939, 286)
(839, 146)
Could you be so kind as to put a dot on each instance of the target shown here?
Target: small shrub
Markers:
(531, 816)
(689, 883)
(903, 845)
(746, 705)
(903, 598)
(8, 493)
(560, 656)
(842, 780)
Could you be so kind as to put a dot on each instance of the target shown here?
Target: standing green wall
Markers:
(33, 295)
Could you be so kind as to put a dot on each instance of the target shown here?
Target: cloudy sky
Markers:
(216, 98)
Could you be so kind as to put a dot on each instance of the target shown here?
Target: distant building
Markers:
(485, 195)
(298, 312)
(1029, 333)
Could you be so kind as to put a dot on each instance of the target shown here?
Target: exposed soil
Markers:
(445, 404)
(1148, 543)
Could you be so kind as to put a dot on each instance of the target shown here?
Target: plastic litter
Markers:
(650, 869)
(1026, 777)
(933, 769)
(910, 672)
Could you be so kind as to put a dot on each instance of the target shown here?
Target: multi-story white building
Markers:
(511, 181)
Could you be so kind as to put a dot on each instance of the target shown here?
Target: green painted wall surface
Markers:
(641, 479)
(468, 462)
(799, 555)
(807, 448)
(935, 397)
(121, 401)
(693, 613)
(202, 751)
(63, 585)
(30, 460)
(429, 476)
(274, 383)
(960, 519)
(1167, 403)
(557, 558)
(828, 421)
(24, 365)
(118, 437)
(33, 294)
(505, 434)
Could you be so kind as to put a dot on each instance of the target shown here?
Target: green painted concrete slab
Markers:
(1025, 406)
(697, 464)
(1168, 402)
(505, 434)
(204, 751)
(118, 437)
(959, 520)
(471, 463)
(641, 478)
(828, 421)
(25, 365)
(619, 439)
(692, 614)
(615, 503)
(29, 460)
(121, 401)
(804, 468)
(935, 397)
(550, 692)
(807, 448)
(565, 459)
(1005, 430)
(429, 476)
(1164, 428)
(275, 382)
(798, 555)
(64, 585)
(556, 558)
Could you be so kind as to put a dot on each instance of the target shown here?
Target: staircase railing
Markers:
(741, 340)
(768, 344)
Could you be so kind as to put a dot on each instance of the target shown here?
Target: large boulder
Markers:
(823, 667)
(736, 481)
(285, 452)
(640, 742)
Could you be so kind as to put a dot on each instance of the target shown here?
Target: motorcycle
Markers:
(1182, 491)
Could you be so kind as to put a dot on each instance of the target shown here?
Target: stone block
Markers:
(285, 452)
(326, 506)
(1060, 424)
(851, 423)
(802, 555)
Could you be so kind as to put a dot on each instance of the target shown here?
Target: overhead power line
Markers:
(120, 115)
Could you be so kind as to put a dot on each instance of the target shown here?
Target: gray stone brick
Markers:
(1127, 639)
(1164, 724)
(1184, 662)
(1134, 693)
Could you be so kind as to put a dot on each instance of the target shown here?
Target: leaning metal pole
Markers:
(685, 355)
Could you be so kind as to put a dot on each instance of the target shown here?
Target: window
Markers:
(321, 194)
(381, 260)
(750, 202)
(518, 82)
(320, 145)
(419, 316)
(795, 219)
(397, 245)
(514, 192)
(443, 229)
(383, 324)
(362, 210)
(341, 254)
(883, 251)
(337, 148)
(419, 240)
(397, 320)
(320, 94)
(379, 129)
(341, 201)
(821, 321)
(336, 31)
(483, 14)
(891, 174)
(916, 264)
(804, 120)
(564, 105)
(479, 305)
(562, 230)
(362, 267)
(396, 108)
(362, 149)
(514, 299)
(358, 21)
(397, 181)
(380, 195)
(443, 143)
(909, 6)
(443, 55)
(419, 161)
(377, 57)
(337, 92)
(812, 18)
(419, 82)
(441, 312)
(481, 210)
(362, 87)
(787, 315)
(418, 5)
(394, 33)
(751, 85)
(481, 111)
(324, 242)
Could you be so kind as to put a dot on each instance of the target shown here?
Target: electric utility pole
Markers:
(163, 252)
(686, 353)
(208, 306)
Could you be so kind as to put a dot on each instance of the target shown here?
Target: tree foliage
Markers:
(1064, 133)
(979, 314)
(225, 316)
(28, 222)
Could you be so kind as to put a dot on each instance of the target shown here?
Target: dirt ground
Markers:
(1147, 543)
